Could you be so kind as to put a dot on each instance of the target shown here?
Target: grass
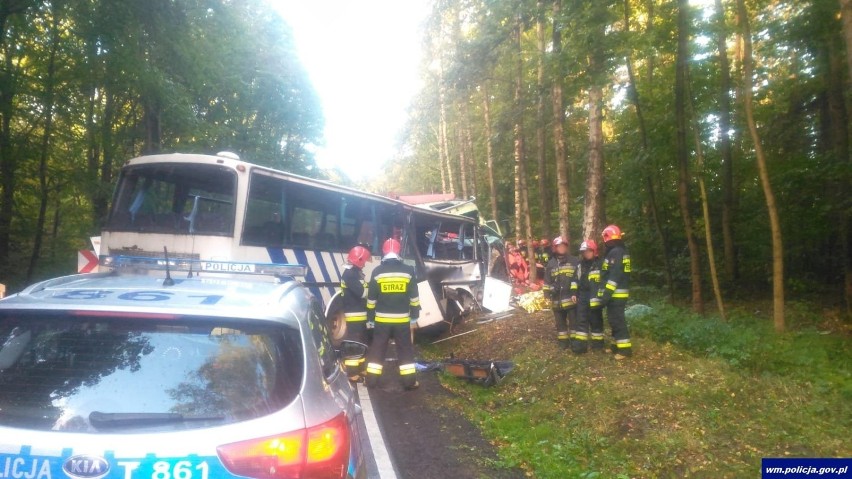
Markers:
(700, 398)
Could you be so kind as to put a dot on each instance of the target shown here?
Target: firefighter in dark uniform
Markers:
(393, 302)
(615, 274)
(353, 291)
(589, 312)
(560, 283)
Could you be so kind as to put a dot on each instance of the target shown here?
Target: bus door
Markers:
(431, 311)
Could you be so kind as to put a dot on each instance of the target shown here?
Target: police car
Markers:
(123, 375)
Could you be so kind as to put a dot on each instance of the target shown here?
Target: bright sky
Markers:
(363, 58)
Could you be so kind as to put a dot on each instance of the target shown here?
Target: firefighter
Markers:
(615, 274)
(353, 291)
(393, 302)
(560, 283)
(589, 312)
(545, 251)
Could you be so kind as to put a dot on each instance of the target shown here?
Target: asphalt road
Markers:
(423, 438)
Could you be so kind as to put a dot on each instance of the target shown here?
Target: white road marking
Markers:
(377, 442)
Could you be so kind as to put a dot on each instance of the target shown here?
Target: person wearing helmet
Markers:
(615, 275)
(353, 291)
(589, 312)
(560, 283)
(393, 302)
(543, 251)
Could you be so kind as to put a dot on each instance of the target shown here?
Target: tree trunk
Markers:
(521, 193)
(682, 153)
(846, 218)
(633, 94)
(48, 105)
(727, 176)
(562, 180)
(543, 178)
(763, 173)
(462, 158)
(446, 168)
(846, 15)
(8, 161)
(442, 153)
(705, 207)
(489, 151)
(468, 137)
(593, 213)
(151, 119)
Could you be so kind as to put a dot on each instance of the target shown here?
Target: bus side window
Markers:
(265, 223)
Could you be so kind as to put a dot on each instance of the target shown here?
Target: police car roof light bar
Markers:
(136, 263)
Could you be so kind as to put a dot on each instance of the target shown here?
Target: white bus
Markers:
(219, 208)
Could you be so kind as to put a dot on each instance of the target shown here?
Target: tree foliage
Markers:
(629, 49)
(85, 85)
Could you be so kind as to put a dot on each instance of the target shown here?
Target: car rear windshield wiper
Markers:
(102, 420)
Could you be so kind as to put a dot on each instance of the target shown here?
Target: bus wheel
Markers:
(336, 326)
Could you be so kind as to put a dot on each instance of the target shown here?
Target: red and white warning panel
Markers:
(87, 261)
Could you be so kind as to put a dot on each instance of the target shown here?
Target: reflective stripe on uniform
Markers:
(373, 368)
(414, 302)
(393, 317)
(395, 276)
(621, 294)
(597, 336)
(371, 304)
(405, 369)
(355, 317)
(353, 362)
(623, 343)
(582, 336)
(611, 285)
(562, 335)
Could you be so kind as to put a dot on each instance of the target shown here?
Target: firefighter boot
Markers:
(580, 342)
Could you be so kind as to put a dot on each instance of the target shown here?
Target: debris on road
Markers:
(453, 336)
(486, 373)
(495, 317)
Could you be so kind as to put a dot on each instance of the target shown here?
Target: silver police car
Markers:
(139, 376)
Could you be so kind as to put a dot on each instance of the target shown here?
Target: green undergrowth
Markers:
(749, 342)
(697, 399)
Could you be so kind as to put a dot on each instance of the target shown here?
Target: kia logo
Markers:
(84, 466)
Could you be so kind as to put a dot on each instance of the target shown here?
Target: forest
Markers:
(714, 132)
(87, 85)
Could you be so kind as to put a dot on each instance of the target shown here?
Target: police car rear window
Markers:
(102, 374)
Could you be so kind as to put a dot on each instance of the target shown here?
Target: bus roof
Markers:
(230, 161)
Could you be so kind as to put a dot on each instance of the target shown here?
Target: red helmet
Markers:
(391, 245)
(611, 232)
(358, 256)
(589, 244)
(544, 242)
(558, 241)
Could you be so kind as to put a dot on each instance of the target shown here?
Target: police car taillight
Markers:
(320, 452)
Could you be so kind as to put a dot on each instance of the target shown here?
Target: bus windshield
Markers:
(175, 198)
